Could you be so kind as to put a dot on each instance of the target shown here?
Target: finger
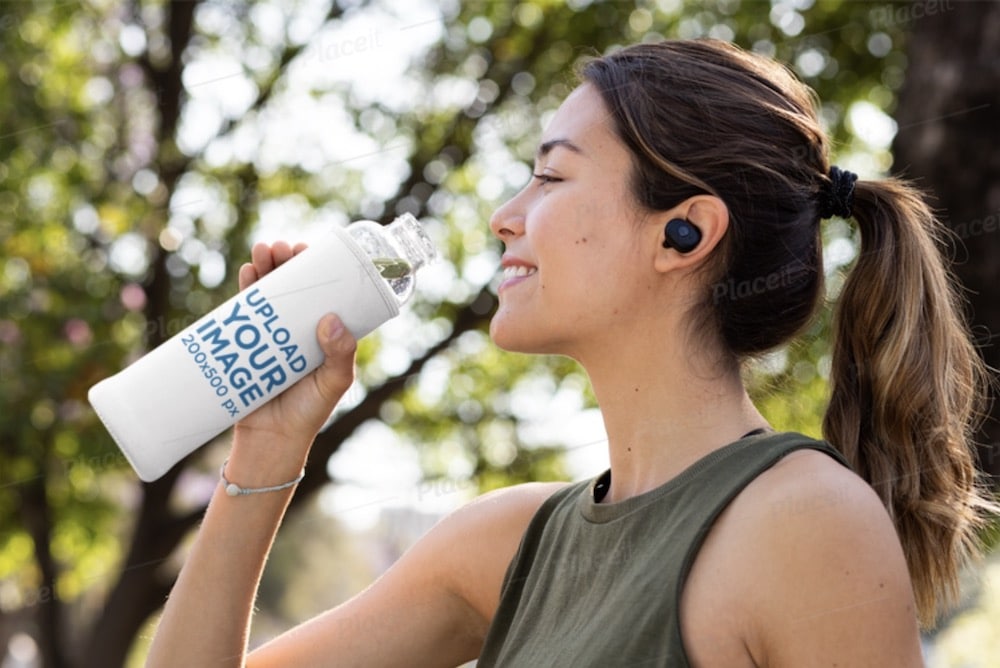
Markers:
(281, 253)
(336, 374)
(299, 247)
(260, 255)
(247, 275)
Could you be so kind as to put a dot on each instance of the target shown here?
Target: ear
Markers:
(706, 212)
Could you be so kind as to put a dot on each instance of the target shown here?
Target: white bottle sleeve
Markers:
(239, 356)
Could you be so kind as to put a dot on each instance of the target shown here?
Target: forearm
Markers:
(207, 617)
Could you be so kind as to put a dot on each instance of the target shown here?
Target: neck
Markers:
(663, 416)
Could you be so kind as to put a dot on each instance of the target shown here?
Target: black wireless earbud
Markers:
(681, 235)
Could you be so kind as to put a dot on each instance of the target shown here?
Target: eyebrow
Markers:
(546, 147)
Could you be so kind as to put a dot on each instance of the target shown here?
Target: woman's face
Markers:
(578, 259)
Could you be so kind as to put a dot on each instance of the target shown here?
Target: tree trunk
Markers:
(947, 114)
(37, 516)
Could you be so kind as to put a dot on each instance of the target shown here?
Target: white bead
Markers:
(232, 489)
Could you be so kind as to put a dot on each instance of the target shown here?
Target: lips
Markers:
(515, 271)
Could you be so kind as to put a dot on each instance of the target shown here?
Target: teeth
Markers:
(518, 271)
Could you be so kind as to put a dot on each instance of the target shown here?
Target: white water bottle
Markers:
(258, 343)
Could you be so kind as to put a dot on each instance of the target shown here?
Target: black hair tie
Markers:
(837, 197)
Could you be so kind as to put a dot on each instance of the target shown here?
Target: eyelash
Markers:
(546, 179)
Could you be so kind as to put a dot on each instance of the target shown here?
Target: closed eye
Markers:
(546, 179)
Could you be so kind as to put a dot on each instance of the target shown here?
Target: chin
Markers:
(505, 335)
(513, 336)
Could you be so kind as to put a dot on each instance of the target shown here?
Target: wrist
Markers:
(235, 489)
(264, 459)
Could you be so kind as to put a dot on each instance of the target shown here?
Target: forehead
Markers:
(583, 120)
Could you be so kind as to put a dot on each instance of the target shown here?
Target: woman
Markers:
(673, 174)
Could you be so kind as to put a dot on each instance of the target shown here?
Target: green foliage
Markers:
(59, 320)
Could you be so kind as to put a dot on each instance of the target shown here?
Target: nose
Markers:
(507, 221)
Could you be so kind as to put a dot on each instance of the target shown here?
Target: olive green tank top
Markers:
(597, 584)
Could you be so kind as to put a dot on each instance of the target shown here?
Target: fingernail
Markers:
(335, 329)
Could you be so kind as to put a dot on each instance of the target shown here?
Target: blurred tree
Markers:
(947, 115)
(147, 143)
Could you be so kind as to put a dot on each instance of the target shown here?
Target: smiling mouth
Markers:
(519, 271)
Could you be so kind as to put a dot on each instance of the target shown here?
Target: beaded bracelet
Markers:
(232, 489)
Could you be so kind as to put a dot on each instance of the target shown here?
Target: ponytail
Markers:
(907, 389)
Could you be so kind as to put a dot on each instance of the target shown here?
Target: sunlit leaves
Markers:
(60, 212)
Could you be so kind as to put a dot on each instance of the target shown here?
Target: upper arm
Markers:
(433, 606)
(832, 582)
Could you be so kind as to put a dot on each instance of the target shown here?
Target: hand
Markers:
(300, 411)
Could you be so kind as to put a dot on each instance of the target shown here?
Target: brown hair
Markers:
(705, 117)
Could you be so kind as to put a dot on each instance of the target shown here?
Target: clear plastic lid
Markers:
(398, 250)
(412, 239)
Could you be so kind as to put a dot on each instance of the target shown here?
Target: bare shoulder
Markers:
(472, 547)
(808, 486)
(841, 587)
(816, 573)
(511, 502)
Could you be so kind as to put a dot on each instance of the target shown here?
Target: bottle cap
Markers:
(413, 240)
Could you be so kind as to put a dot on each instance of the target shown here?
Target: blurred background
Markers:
(145, 145)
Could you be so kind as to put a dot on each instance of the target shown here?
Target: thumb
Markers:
(336, 374)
